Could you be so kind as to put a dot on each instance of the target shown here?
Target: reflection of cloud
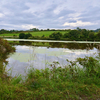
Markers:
(78, 52)
(44, 56)
(22, 57)
(22, 47)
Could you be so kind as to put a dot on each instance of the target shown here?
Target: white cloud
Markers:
(78, 23)
(58, 14)
(1, 15)
(61, 17)
(74, 16)
(28, 26)
(58, 10)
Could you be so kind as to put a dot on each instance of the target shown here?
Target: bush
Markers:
(28, 35)
(56, 35)
(22, 36)
(5, 47)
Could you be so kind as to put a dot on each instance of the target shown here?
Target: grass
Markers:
(70, 82)
(39, 33)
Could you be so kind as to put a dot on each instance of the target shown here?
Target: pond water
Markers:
(41, 55)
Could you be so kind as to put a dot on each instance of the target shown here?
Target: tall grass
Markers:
(56, 83)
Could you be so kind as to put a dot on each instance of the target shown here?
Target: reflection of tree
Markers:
(87, 46)
(25, 42)
(55, 44)
(43, 43)
(98, 48)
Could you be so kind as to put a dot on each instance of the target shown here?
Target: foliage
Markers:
(70, 82)
(22, 36)
(91, 36)
(90, 64)
(2, 31)
(28, 35)
(98, 36)
(5, 47)
(97, 30)
(56, 35)
(34, 29)
(52, 34)
(72, 35)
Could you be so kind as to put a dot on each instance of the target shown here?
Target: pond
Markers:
(40, 54)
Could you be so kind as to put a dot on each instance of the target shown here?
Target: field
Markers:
(39, 33)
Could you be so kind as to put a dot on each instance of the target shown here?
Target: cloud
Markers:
(78, 23)
(24, 14)
(28, 26)
(1, 15)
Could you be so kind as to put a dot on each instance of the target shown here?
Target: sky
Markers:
(52, 14)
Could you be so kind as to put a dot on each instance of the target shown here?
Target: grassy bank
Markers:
(70, 82)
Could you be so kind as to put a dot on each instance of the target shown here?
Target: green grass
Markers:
(45, 33)
(39, 33)
(70, 82)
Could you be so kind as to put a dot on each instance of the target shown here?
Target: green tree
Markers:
(74, 35)
(28, 35)
(85, 33)
(48, 29)
(79, 29)
(34, 29)
(91, 36)
(22, 36)
(56, 35)
(98, 36)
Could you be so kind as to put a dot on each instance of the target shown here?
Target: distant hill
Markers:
(97, 30)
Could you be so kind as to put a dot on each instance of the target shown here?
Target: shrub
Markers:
(56, 35)
(22, 36)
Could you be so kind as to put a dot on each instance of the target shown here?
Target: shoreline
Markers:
(52, 41)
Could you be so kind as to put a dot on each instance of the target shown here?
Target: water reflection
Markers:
(82, 46)
(27, 55)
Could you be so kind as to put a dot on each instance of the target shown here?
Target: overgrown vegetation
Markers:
(5, 48)
(70, 82)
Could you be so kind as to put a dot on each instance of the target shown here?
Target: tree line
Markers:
(3, 31)
(77, 35)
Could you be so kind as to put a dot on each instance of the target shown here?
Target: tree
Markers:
(48, 29)
(91, 36)
(85, 33)
(74, 35)
(34, 29)
(28, 35)
(98, 36)
(22, 36)
(79, 29)
(56, 35)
